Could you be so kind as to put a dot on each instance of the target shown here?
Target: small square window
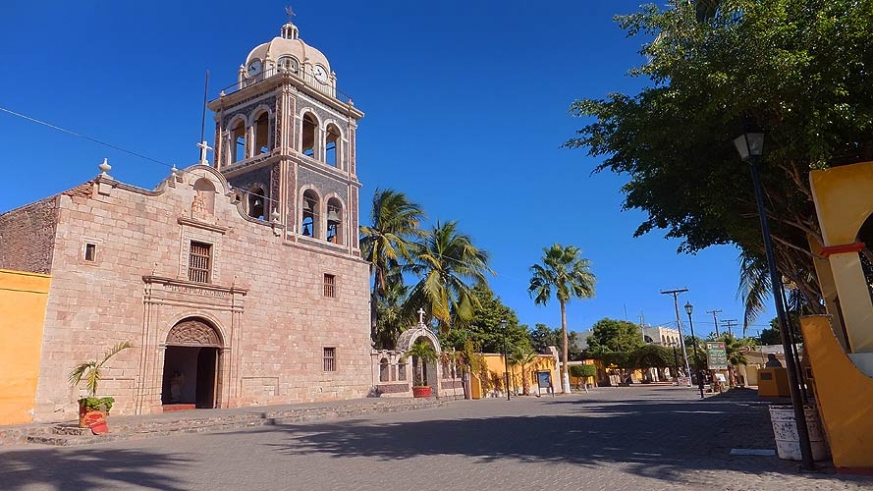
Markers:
(330, 285)
(329, 359)
(90, 252)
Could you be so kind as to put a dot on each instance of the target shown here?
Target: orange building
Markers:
(23, 299)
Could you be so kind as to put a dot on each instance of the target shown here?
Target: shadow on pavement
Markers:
(668, 440)
(79, 468)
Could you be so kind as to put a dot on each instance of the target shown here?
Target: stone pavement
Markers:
(646, 438)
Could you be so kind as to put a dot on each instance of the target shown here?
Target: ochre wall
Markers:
(22, 313)
(495, 364)
(844, 395)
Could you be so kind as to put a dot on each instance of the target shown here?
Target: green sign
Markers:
(716, 356)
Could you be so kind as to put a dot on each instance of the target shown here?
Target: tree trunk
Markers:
(566, 351)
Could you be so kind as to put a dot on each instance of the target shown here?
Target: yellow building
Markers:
(840, 345)
(494, 363)
(23, 299)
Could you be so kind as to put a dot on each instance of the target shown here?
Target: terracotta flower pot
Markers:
(92, 418)
(421, 391)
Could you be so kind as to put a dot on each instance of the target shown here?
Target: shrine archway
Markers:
(432, 370)
(192, 364)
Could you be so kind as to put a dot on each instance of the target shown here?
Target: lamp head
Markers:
(689, 308)
(750, 144)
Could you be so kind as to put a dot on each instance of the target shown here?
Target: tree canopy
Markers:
(792, 68)
(611, 335)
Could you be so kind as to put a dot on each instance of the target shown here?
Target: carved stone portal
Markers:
(193, 333)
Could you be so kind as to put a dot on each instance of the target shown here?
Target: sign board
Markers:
(683, 381)
(716, 356)
(544, 380)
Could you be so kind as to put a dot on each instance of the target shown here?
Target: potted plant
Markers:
(421, 353)
(93, 409)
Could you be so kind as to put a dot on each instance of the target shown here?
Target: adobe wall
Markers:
(27, 236)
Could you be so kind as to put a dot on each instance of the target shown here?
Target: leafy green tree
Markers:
(385, 244)
(569, 275)
(612, 335)
(542, 336)
(447, 264)
(773, 335)
(484, 328)
(788, 67)
(652, 356)
(391, 317)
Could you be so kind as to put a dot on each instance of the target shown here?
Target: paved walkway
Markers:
(206, 420)
(650, 438)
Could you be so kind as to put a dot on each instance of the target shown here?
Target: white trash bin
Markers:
(787, 439)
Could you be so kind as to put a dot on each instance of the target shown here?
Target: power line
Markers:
(79, 135)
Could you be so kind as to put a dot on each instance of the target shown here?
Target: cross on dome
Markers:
(289, 30)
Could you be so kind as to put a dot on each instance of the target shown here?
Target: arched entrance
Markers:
(191, 366)
(431, 371)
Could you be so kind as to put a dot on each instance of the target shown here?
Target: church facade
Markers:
(238, 282)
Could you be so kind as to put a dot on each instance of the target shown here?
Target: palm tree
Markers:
(91, 370)
(570, 276)
(445, 261)
(421, 353)
(386, 241)
(523, 354)
(735, 350)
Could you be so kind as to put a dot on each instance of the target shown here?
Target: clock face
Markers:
(254, 68)
(320, 74)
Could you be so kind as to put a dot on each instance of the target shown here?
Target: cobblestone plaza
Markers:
(639, 438)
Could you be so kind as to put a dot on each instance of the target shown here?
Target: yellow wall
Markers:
(23, 299)
(494, 362)
(844, 396)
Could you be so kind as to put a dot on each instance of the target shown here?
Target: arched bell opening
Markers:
(334, 221)
(257, 203)
(309, 216)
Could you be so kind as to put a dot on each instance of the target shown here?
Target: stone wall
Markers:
(266, 300)
(27, 237)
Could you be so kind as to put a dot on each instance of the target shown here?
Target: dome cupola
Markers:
(288, 53)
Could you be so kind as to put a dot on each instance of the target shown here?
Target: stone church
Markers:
(238, 282)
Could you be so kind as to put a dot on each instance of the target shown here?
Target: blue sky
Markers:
(466, 109)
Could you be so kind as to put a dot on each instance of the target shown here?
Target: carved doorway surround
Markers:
(192, 366)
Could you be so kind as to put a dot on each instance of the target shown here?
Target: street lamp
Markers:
(505, 358)
(688, 310)
(750, 146)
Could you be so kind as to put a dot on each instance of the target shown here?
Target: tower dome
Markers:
(287, 53)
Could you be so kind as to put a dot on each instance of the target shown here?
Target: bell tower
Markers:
(285, 141)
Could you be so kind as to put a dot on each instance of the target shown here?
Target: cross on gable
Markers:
(421, 316)
(204, 147)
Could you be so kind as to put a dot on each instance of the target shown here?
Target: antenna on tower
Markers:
(203, 115)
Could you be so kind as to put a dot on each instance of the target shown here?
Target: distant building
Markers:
(664, 336)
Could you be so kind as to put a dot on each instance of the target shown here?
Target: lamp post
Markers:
(750, 146)
(688, 310)
(505, 359)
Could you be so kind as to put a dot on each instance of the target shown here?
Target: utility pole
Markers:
(714, 318)
(642, 328)
(675, 294)
(731, 323)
